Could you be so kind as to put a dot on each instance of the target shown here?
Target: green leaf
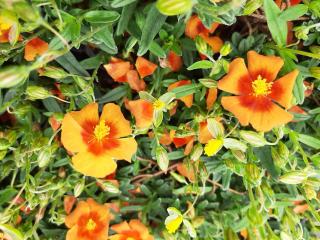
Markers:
(7, 195)
(114, 95)
(293, 13)
(100, 16)
(277, 26)
(153, 24)
(121, 3)
(204, 64)
(105, 36)
(125, 17)
(174, 7)
(156, 49)
(186, 90)
(309, 141)
(70, 63)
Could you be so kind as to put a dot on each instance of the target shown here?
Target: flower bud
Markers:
(277, 159)
(234, 144)
(208, 83)
(226, 49)
(196, 152)
(202, 46)
(251, 6)
(162, 158)
(79, 188)
(36, 92)
(215, 128)
(253, 173)
(53, 72)
(12, 76)
(301, 32)
(239, 155)
(174, 7)
(294, 177)
(315, 72)
(44, 157)
(310, 192)
(108, 186)
(253, 138)
(178, 177)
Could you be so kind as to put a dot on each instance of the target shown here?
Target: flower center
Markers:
(101, 130)
(130, 238)
(91, 225)
(261, 87)
(158, 104)
(213, 146)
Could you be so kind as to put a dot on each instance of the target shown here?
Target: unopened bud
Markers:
(36, 92)
(174, 7)
(162, 158)
(44, 157)
(301, 32)
(196, 152)
(253, 173)
(294, 177)
(253, 138)
(226, 49)
(53, 72)
(79, 188)
(12, 76)
(310, 192)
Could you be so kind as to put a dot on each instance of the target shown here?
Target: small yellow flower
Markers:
(159, 105)
(174, 220)
(213, 146)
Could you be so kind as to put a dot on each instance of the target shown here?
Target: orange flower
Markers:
(118, 69)
(194, 27)
(4, 36)
(215, 42)
(142, 111)
(134, 81)
(188, 100)
(257, 91)
(89, 220)
(97, 141)
(54, 123)
(204, 135)
(211, 97)
(145, 67)
(134, 230)
(173, 61)
(34, 47)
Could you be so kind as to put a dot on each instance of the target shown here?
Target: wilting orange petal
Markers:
(174, 62)
(112, 114)
(72, 127)
(188, 100)
(281, 90)
(81, 209)
(124, 150)
(141, 228)
(211, 97)
(35, 47)
(186, 171)
(215, 42)
(118, 70)
(92, 165)
(145, 67)
(266, 66)
(142, 111)
(238, 80)
(189, 146)
(134, 81)
(68, 203)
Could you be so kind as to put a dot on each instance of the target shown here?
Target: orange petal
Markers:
(188, 100)
(238, 80)
(174, 61)
(124, 150)
(189, 147)
(165, 139)
(112, 114)
(121, 227)
(92, 165)
(102, 210)
(211, 97)
(136, 225)
(282, 88)
(233, 104)
(35, 47)
(266, 120)
(81, 209)
(142, 111)
(118, 70)
(145, 67)
(134, 81)
(194, 27)
(204, 134)
(72, 127)
(266, 66)
(72, 234)
(215, 42)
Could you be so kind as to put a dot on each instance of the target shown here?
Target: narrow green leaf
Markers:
(309, 140)
(121, 3)
(114, 95)
(125, 17)
(186, 90)
(204, 64)
(293, 13)
(100, 16)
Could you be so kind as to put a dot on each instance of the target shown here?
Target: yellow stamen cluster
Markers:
(91, 225)
(158, 105)
(101, 130)
(261, 87)
(213, 146)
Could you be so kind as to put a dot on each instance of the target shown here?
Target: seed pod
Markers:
(12, 76)
(44, 157)
(36, 92)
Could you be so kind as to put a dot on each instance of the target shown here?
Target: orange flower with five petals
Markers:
(142, 111)
(258, 94)
(134, 230)
(88, 221)
(97, 142)
(34, 47)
